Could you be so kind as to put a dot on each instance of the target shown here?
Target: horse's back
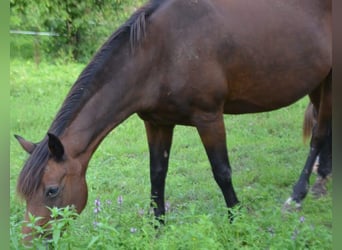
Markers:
(255, 55)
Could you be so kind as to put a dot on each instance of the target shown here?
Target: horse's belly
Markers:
(263, 94)
(255, 96)
(166, 118)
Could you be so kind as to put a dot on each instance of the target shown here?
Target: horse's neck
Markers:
(106, 108)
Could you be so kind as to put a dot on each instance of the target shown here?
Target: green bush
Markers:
(82, 27)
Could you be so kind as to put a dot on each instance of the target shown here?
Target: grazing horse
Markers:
(185, 62)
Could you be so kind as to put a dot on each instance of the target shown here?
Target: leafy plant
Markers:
(53, 234)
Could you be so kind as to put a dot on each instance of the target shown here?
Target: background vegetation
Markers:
(266, 152)
(81, 26)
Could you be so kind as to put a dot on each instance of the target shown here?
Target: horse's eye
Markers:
(52, 192)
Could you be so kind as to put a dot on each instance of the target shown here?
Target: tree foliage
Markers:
(82, 26)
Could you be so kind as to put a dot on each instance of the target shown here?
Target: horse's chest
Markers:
(167, 115)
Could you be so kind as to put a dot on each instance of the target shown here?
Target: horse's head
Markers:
(50, 178)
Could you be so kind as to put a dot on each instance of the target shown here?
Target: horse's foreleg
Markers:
(213, 137)
(159, 142)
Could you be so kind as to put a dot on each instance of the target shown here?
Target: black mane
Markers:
(132, 31)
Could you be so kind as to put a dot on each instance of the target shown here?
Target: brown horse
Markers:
(186, 62)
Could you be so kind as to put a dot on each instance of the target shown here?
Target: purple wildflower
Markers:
(97, 202)
(97, 210)
(120, 200)
(302, 219)
(95, 223)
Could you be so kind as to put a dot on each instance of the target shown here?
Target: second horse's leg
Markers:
(324, 168)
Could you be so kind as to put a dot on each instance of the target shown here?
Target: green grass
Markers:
(266, 152)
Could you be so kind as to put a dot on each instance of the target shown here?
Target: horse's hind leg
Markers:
(324, 168)
(323, 164)
(159, 142)
(214, 140)
(321, 99)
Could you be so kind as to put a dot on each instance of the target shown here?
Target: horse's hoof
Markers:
(234, 213)
(291, 205)
(319, 188)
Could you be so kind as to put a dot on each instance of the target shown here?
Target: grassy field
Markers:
(266, 151)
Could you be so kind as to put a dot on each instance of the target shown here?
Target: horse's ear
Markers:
(55, 146)
(26, 145)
